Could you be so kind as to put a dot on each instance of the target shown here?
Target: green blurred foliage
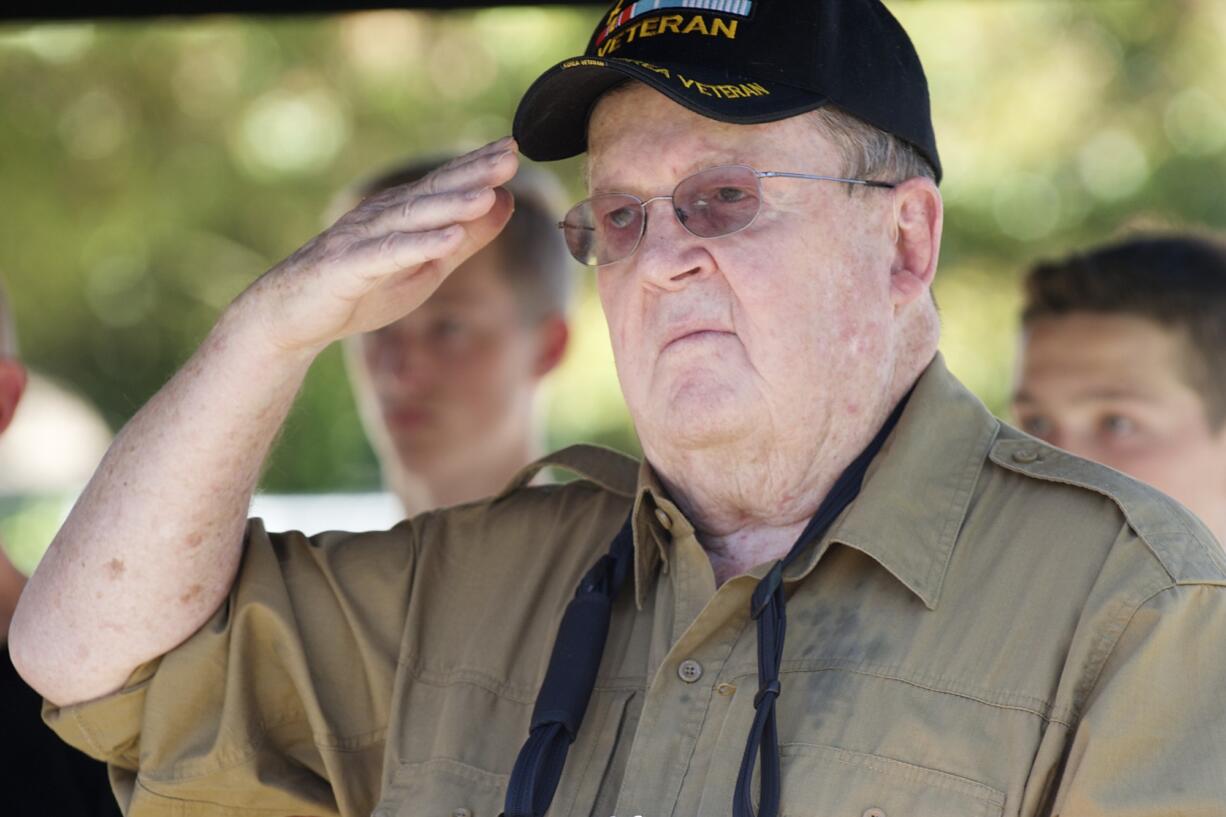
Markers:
(149, 171)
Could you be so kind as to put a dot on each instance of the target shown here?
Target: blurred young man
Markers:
(43, 775)
(447, 394)
(1123, 361)
(12, 384)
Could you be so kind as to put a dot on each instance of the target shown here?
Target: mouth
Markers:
(406, 418)
(696, 335)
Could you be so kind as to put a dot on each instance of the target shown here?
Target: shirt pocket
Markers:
(825, 781)
(445, 787)
(442, 788)
(594, 766)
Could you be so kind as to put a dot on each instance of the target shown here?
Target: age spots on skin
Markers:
(191, 595)
(115, 569)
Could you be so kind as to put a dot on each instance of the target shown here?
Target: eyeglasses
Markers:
(714, 202)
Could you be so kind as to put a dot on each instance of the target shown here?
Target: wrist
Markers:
(243, 331)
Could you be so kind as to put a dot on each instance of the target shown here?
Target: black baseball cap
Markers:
(741, 61)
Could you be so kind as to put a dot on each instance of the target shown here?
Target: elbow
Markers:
(25, 651)
(23, 647)
(33, 655)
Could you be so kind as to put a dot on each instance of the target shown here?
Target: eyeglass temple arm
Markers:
(769, 174)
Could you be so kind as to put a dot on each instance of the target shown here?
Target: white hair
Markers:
(868, 152)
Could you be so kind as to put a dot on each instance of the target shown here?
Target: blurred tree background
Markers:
(150, 170)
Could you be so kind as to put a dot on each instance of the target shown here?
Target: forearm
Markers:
(151, 547)
(153, 544)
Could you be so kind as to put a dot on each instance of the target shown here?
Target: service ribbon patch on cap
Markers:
(622, 23)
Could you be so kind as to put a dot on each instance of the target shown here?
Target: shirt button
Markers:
(873, 812)
(461, 812)
(1026, 456)
(689, 671)
(664, 519)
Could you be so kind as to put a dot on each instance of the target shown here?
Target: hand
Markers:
(385, 257)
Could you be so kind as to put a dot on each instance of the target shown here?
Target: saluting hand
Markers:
(385, 257)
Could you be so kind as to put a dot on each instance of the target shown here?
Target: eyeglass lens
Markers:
(711, 203)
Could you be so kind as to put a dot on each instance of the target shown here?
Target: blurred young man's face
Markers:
(1115, 389)
(455, 379)
(12, 384)
(12, 373)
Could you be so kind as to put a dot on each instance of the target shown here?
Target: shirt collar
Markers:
(910, 509)
(656, 520)
(917, 491)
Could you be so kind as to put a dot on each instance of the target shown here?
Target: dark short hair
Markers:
(1177, 280)
(534, 255)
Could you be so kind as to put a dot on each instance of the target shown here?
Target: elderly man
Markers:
(979, 624)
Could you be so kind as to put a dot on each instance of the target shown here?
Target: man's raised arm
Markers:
(152, 546)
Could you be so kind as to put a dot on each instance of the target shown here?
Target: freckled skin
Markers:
(1115, 389)
(750, 425)
(192, 593)
(116, 568)
(376, 264)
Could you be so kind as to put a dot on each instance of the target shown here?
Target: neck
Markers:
(426, 489)
(747, 508)
(750, 500)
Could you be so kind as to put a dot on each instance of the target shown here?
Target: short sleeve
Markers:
(280, 703)
(1152, 739)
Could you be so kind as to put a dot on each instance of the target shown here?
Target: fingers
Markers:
(386, 257)
(486, 169)
(488, 166)
(394, 251)
(430, 212)
(458, 192)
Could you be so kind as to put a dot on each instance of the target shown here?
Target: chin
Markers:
(706, 412)
(419, 452)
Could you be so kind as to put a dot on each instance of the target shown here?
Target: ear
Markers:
(918, 219)
(12, 384)
(553, 333)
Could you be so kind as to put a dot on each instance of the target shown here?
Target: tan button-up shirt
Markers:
(994, 627)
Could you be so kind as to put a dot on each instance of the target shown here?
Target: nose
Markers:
(401, 361)
(669, 256)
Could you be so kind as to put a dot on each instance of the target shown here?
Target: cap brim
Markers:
(551, 121)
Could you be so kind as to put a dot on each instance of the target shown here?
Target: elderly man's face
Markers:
(780, 332)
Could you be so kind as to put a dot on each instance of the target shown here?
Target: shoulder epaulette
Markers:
(1180, 541)
(612, 470)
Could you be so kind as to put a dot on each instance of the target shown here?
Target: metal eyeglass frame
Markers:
(758, 176)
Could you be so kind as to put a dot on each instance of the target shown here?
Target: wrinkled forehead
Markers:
(635, 132)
